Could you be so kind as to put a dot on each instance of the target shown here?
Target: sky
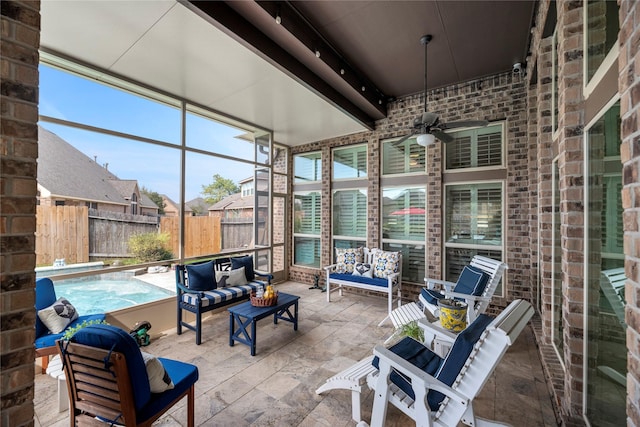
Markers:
(157, 168)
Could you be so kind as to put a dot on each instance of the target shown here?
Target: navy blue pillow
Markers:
(247, 263)
(201, 276)
(472, 281)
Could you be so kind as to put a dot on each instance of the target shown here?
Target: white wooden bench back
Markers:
(612, 285)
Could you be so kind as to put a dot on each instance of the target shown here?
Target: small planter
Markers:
(453, 314)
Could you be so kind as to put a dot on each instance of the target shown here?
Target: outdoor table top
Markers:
(248, 311)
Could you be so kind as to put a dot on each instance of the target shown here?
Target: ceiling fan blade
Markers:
(404, 138)
(463, 124)
(429, 119)
(444, 137)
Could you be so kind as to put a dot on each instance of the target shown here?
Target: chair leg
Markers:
(191, 406)
(44, 361)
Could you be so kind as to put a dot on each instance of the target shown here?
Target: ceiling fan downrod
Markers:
(424, 40)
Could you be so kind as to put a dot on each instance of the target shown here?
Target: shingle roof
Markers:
(65, 171)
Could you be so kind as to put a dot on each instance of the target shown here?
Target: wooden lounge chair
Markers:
(440, 392)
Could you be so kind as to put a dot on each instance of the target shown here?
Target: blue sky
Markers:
(157, 168)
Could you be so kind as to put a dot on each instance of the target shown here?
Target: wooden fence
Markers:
(109, 232)
(201, 234)
(62, 232)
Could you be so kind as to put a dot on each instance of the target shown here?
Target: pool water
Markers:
(99, 296)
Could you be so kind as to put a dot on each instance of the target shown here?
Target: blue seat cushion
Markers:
(446, 370)
(348, 277)
(431, 296)
(109, 337)
(419, 356)
(201, 276)
(247, 263)
(49, 339)
(220, 295)
(183, 375)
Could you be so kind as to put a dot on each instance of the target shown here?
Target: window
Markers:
(605, 364)
(602, 24)
(476, 148)
(247, 189)
(554, 83)
(403, 228)
(307, 167)
(473, 224)
(350, 162)
(349, 218)
(306, 229)
(134, 204)
(402, 158)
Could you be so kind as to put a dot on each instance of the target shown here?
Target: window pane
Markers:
(413, 266)
(205, 133)
(606, 358)
(602, 32)
(306, 251)
(404, 157)
(307, 167)
(307, 213)
(350, 162)
(474, 214)
(350, 213)
(403, 213)
(474, 148)
(70, 97)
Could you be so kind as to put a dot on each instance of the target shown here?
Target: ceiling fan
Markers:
(428, 125)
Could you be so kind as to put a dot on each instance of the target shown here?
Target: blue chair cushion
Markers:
(457, 357)
(472, 281)
(183, 375)
(49, 339)
(348, 277)
(201, 276)
(247, 263)
(431, 296)
(109, 337)
(416, 353)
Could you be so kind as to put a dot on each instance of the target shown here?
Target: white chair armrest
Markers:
(329, 267)
(418, 377)
(445, 284)
(468, 298)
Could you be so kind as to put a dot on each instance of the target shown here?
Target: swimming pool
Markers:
(99, 296)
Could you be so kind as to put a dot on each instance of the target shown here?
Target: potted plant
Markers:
(70, 331)
(412, 330)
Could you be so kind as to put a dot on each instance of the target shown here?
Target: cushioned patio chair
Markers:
(45, 342)
(440, 392)
(108, 380)
(476, 285)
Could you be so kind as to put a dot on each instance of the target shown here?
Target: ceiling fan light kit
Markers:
(426, 139)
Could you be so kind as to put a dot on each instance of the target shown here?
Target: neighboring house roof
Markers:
(173, 206)
(232, 201)
(198, 204)
(65, 171)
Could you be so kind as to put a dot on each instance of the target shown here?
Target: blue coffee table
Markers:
(245, 314)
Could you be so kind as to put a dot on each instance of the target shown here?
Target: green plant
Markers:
(412, 330)
(70, 331)
(150, 246)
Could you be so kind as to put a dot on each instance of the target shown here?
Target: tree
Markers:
(219, 189)
(155, 198)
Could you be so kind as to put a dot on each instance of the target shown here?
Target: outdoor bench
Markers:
(370, 269)
(199, 302)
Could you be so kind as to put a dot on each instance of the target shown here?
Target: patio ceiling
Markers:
(234, 58)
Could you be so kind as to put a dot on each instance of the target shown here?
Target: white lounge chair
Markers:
(444, 397)
(474, 289)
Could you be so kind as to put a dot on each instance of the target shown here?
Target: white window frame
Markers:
(503, 156)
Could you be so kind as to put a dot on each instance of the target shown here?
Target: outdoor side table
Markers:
(247, 315)
(54, 369)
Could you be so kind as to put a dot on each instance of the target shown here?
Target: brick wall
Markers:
(502, 97)
(629, 88)
(20, 26)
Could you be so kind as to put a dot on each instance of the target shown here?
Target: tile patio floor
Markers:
(277, 386)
